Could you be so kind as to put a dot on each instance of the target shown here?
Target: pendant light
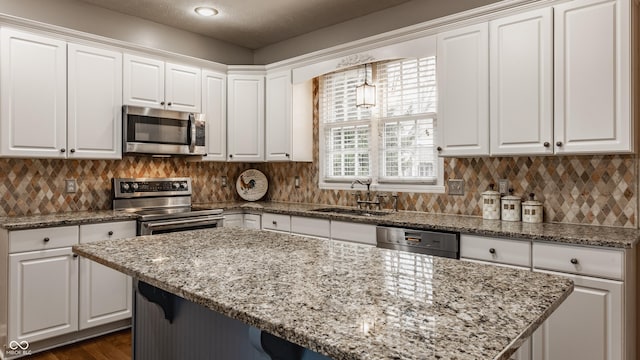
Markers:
(365, 93)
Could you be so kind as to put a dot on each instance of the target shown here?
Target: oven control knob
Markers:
(176, 185)
(125, 186)
(183, 185)
(135, 186)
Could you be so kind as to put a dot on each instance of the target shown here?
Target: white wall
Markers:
(409, 13)
(88, 18)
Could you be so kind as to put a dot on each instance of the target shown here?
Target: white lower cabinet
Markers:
(353, 232)
(43, 294)
(233, 220)
(276, 222)
(105, 294)
(588, 325)
(252, 221)
(51, 291)
(307, 226)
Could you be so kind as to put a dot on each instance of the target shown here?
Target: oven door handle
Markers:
(182, 223)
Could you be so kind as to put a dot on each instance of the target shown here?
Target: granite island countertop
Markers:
(344, 300)
(573, 234)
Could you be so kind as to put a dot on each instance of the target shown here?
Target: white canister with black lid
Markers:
(491, 204)
(532, 210)
(511, 207)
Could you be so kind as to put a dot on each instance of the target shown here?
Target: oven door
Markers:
(174, 225)
(162, 132)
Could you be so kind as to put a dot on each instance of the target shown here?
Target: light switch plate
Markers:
(503, 186)
(456, 187)
(70, 186)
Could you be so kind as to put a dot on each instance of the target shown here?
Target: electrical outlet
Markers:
(503, 186)
(223, 181)
(456, 187)
(70, 186)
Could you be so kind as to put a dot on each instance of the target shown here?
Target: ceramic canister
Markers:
(532, 210)
(511, 207)
(491, 204)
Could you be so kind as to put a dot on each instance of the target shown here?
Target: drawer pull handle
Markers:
(110, 233)
(46, 239)
(492, 251)
(274, 222)
(574, 261)
(75, 256)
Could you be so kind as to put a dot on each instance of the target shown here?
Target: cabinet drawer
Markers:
(106, 231)
(360, 233)
(252, 221)
(505, 251)
(579, 260)
(311, 226)
(42, 239)
(276, 222)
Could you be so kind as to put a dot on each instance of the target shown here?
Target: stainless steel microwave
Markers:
(162, 132)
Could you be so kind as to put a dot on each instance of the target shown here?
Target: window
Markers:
(401, 155)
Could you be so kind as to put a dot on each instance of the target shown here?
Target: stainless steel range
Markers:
(164, 205)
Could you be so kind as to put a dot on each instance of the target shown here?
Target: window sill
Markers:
(407, 188)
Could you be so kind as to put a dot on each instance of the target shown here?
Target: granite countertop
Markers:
(344, 300)
(588, 235)
(64, 219)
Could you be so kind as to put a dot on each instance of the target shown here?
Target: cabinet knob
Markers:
(72, 150)
(274, 222)
(161, 102)
(559, 143)
(63, 150)
(169, 103)
(110, 233)
(287, 155)
(75, 256)
(492, 251)
(439, 148)
(546, 144)
(46, 239)
(231, 156)
(574, 261)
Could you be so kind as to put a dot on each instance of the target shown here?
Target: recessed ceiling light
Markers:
(206, 11)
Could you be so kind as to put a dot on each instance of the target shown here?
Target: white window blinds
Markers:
(404, 120)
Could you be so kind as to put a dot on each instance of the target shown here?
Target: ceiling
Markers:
(252, 24)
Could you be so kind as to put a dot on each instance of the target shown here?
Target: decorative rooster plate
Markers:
(252, 184)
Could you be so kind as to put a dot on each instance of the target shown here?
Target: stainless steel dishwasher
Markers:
(436, 243)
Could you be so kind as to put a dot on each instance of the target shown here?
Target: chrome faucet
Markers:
(366, 182)
(367, 201)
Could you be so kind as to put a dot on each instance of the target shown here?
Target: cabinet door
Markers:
(588, 325)
(521, 93)
(592, 77)
(233, 220)
(43, 294)
(95, 103)
(278, 116)
(214, 106)
(463, 91)
(252, 221)
(183, 86)
(143, 80)
(33, 89)
(246, 118)
(354, 232)
(105, 294)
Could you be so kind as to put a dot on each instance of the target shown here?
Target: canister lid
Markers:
(531, 201)
(491, 192)
(511, 197)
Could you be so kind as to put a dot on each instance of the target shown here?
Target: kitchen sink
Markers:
(352, 211)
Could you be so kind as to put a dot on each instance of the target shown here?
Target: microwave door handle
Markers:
(192, 132)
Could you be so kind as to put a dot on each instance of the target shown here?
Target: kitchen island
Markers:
(345, 301)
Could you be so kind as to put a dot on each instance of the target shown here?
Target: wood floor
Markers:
(116, 346)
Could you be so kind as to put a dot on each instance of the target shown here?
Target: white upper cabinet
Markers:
(94, 103)
(289, 118)
(463, 91)
(214, 106)
(33, 89)
(245, 123)
(592, 77)
(153, 83)
(521, 83)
